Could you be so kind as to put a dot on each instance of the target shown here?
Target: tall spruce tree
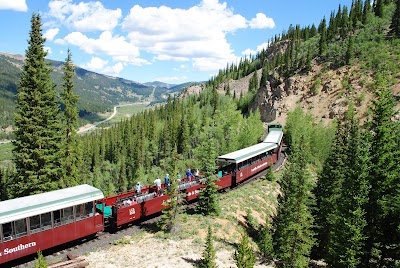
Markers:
(347, 217)
(208, 200)
(169, 218)
(395, 24)
(378, 8)
(383, 243)
(323, 36)
(294, 237)
(71, 156)
(37, 135)
(328, 189)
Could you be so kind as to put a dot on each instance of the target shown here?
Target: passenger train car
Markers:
(42, 221)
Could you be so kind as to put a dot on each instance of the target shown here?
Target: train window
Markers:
(79, 211)
(20, 228)
(45, 221)
(56, 218)
(7, 231)
(88, 209)
(34, 224)
(68, 215)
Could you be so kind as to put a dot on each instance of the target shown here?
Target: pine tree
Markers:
(208, 203)
(366, 12)
(350, 50)
(347, 217)
(40, 261)
(71, 150)
(383, 243)
(37, 139)
(294, 237)
(323, 36)
(244, 255)
(328, 188)
(395, 24)
(265, 240)
(169, 218)
(378, 8)
(264, 76)
(209, 253)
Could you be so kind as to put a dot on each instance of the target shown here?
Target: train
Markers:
(43, 221)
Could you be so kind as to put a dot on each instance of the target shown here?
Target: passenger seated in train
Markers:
(196, 173)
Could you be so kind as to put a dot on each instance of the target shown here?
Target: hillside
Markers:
(323, 78)
(97, 92)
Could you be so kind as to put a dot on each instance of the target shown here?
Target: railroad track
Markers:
(105, 239)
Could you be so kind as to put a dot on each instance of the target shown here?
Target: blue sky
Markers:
(172, 41)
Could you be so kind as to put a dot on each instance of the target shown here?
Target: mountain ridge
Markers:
(98, 93)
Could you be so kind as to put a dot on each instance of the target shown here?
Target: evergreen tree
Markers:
(40, 261)
(366, 12)
(323, 36)
(395, 24)
(265, 240)
(378, 8)
(264, 76)
(383, 243)
(209, 253)
(328, 188)
(294, 237)
(208, 203)
(37, 139)
(347, 217)
(350, 50)
(71, 150)
(244, 255)
(3, 185)
(169, 218)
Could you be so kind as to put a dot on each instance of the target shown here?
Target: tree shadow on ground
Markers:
(251, 230)
(194, 262)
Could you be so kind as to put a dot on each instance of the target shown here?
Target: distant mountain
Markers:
(97, 92)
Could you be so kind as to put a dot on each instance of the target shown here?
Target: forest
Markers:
(340, 199)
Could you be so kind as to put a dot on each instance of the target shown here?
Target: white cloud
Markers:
(114, 70)
(84, 16)
(212, 64)
(51, 33)
(177, 34)
(259, 48)
(16, 5)
(105, 44)
(169, 79)
(95, 64)
(261, 21)
(48, 49)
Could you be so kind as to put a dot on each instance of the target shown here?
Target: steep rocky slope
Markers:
(325, 93)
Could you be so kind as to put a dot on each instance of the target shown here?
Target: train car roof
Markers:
(274, 136)
(23, 207)
(247, 153)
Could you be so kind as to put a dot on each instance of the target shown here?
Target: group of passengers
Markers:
(167, 181)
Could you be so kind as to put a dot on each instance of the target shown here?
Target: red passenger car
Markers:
(38, 222)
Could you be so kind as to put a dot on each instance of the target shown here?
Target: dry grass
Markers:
(184, 248)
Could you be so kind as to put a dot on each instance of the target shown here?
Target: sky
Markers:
(172, 41)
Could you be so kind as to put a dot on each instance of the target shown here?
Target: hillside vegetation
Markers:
(336, 87)
(97, 93)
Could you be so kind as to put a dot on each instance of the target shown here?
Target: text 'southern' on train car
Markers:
(38, 222)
